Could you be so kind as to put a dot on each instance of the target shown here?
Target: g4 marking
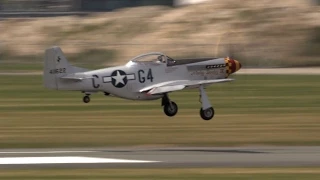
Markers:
(142, 78)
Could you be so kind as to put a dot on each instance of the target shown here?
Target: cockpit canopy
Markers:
(154, 57)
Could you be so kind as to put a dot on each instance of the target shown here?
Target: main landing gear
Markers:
(170, 108)
(206, 110)
(207, 114)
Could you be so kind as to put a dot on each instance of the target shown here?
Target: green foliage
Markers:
(165, 173)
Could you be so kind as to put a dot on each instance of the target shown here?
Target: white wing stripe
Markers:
(163, 89)
(178, 85)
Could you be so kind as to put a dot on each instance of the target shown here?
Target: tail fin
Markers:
(56, 66)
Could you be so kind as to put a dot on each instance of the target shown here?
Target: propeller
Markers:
(230, 50)
(227, 49)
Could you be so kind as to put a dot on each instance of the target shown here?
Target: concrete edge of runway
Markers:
(166, 157)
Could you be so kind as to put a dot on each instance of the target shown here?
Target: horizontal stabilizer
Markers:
(57, 70)
(75, 77)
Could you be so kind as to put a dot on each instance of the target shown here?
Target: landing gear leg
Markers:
(206, 111)
(170, 108)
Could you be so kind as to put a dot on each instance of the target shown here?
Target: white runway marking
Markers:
(41, 152)
(65, 160)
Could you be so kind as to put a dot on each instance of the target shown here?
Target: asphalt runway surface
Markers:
(161, 157)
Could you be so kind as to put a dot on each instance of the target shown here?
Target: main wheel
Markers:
(86, 99)
(170, 110)
(207, 114)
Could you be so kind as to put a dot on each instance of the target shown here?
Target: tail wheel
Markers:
(170, 109)
(207, 114)
(86, 99)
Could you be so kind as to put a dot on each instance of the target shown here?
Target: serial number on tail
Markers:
(57, 71)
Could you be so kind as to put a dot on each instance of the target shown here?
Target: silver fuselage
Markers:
(139, 75)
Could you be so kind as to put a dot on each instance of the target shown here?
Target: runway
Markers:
(161, 157)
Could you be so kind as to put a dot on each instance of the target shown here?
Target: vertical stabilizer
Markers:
(55, 66)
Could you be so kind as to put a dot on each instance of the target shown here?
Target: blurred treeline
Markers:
(260, 34)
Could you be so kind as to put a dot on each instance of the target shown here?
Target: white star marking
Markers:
(119, 78)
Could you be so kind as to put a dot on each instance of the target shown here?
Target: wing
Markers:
(179, 85)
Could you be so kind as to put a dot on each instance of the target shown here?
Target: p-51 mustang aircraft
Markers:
(146, 77)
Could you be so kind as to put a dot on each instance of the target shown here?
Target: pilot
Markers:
(162, 59)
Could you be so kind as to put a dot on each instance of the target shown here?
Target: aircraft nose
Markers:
(232, 65)
(238, 65)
